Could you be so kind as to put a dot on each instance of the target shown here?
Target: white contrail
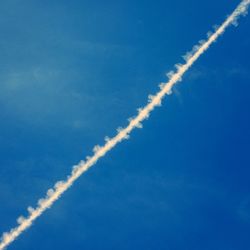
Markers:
(123, 133)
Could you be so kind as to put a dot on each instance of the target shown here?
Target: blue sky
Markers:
(72, 72)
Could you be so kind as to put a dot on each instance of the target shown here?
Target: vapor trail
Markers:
(123, 133)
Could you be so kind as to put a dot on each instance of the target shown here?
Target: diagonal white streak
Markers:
(123, 133)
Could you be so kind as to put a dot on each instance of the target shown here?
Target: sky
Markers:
(72, 72)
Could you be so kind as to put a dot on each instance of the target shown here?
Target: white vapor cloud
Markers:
(60, 187)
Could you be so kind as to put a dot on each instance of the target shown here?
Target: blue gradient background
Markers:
(71, 72)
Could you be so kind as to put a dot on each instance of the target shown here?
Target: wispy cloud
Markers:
(33, 94)
(60, 187)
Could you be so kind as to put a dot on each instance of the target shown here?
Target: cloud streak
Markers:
(60, 187)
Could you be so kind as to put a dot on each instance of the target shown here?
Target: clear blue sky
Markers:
(71, 72)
